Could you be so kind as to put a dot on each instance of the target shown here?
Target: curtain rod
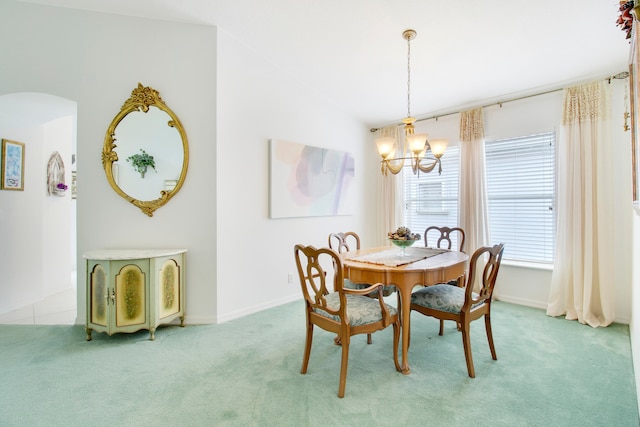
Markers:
(621, 75)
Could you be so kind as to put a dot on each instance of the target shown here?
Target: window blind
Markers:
(521, 192)
(432, 199)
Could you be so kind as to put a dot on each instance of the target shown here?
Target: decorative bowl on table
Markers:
(403, 238)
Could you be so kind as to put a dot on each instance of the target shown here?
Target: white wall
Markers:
(623, 224)
(21, 222)
(634, 326)
(35, 255)
(56, 211)
(257, 102)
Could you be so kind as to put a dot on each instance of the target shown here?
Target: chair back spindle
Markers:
(489, 275)
(313, 276)
(344, 242)
(443, 237)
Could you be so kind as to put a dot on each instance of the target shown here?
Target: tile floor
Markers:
(57, 309)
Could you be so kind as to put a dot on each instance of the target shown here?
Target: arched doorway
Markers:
(38, 254)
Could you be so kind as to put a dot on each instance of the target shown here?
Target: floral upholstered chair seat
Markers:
(361, 310)
(442, 297)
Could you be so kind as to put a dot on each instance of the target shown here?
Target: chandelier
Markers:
(423, 154)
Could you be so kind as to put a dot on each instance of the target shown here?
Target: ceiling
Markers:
(467, 52)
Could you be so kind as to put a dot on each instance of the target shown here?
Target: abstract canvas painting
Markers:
(309, 181)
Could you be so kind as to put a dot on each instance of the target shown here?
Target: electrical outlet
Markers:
(290, 278)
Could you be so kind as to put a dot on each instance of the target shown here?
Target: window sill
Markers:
(531, 265)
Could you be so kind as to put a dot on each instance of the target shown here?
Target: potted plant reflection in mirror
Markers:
(141, 162)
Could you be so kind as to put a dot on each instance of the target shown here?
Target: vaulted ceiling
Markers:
(466, 53)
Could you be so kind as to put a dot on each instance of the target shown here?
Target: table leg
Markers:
(405, 318)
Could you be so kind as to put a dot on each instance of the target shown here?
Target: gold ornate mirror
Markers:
(150, 163)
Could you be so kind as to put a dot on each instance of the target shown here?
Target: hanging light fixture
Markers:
(416, 146)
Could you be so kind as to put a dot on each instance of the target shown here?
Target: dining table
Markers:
(415, 266)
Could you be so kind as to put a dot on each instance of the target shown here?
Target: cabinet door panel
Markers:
(98, 293)
(169, 278)
(130, 296)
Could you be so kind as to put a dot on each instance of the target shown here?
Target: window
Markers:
(432, 199)
(521, 190)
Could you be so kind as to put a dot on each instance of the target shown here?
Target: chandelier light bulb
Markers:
(385, 146)
(438, 146)
(417, 142)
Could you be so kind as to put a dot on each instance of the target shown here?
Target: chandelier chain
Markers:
(408, 76)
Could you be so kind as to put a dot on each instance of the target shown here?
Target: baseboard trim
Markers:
(543, 306)
(199, 320)
(520, 301)
(257, 308)
(208, 320)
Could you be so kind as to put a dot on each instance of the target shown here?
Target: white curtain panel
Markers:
(391, 189)
(473, 215)
(582, 283)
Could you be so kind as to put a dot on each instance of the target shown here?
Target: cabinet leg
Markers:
(182, 321)
(88, 333)
(152, 334)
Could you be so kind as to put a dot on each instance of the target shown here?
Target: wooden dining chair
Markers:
(463, 305)
(344, 242)
(443, 238)
(345, 312)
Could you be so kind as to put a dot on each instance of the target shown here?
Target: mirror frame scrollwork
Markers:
(141, 99)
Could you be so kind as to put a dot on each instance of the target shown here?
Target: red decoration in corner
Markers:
(625, 20)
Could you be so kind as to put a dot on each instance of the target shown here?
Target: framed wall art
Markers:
(55, 176)
(12, 165)
(309, 181)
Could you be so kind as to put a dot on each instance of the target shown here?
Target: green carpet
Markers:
(549, 372)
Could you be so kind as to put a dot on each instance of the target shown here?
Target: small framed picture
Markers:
(12, 165)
